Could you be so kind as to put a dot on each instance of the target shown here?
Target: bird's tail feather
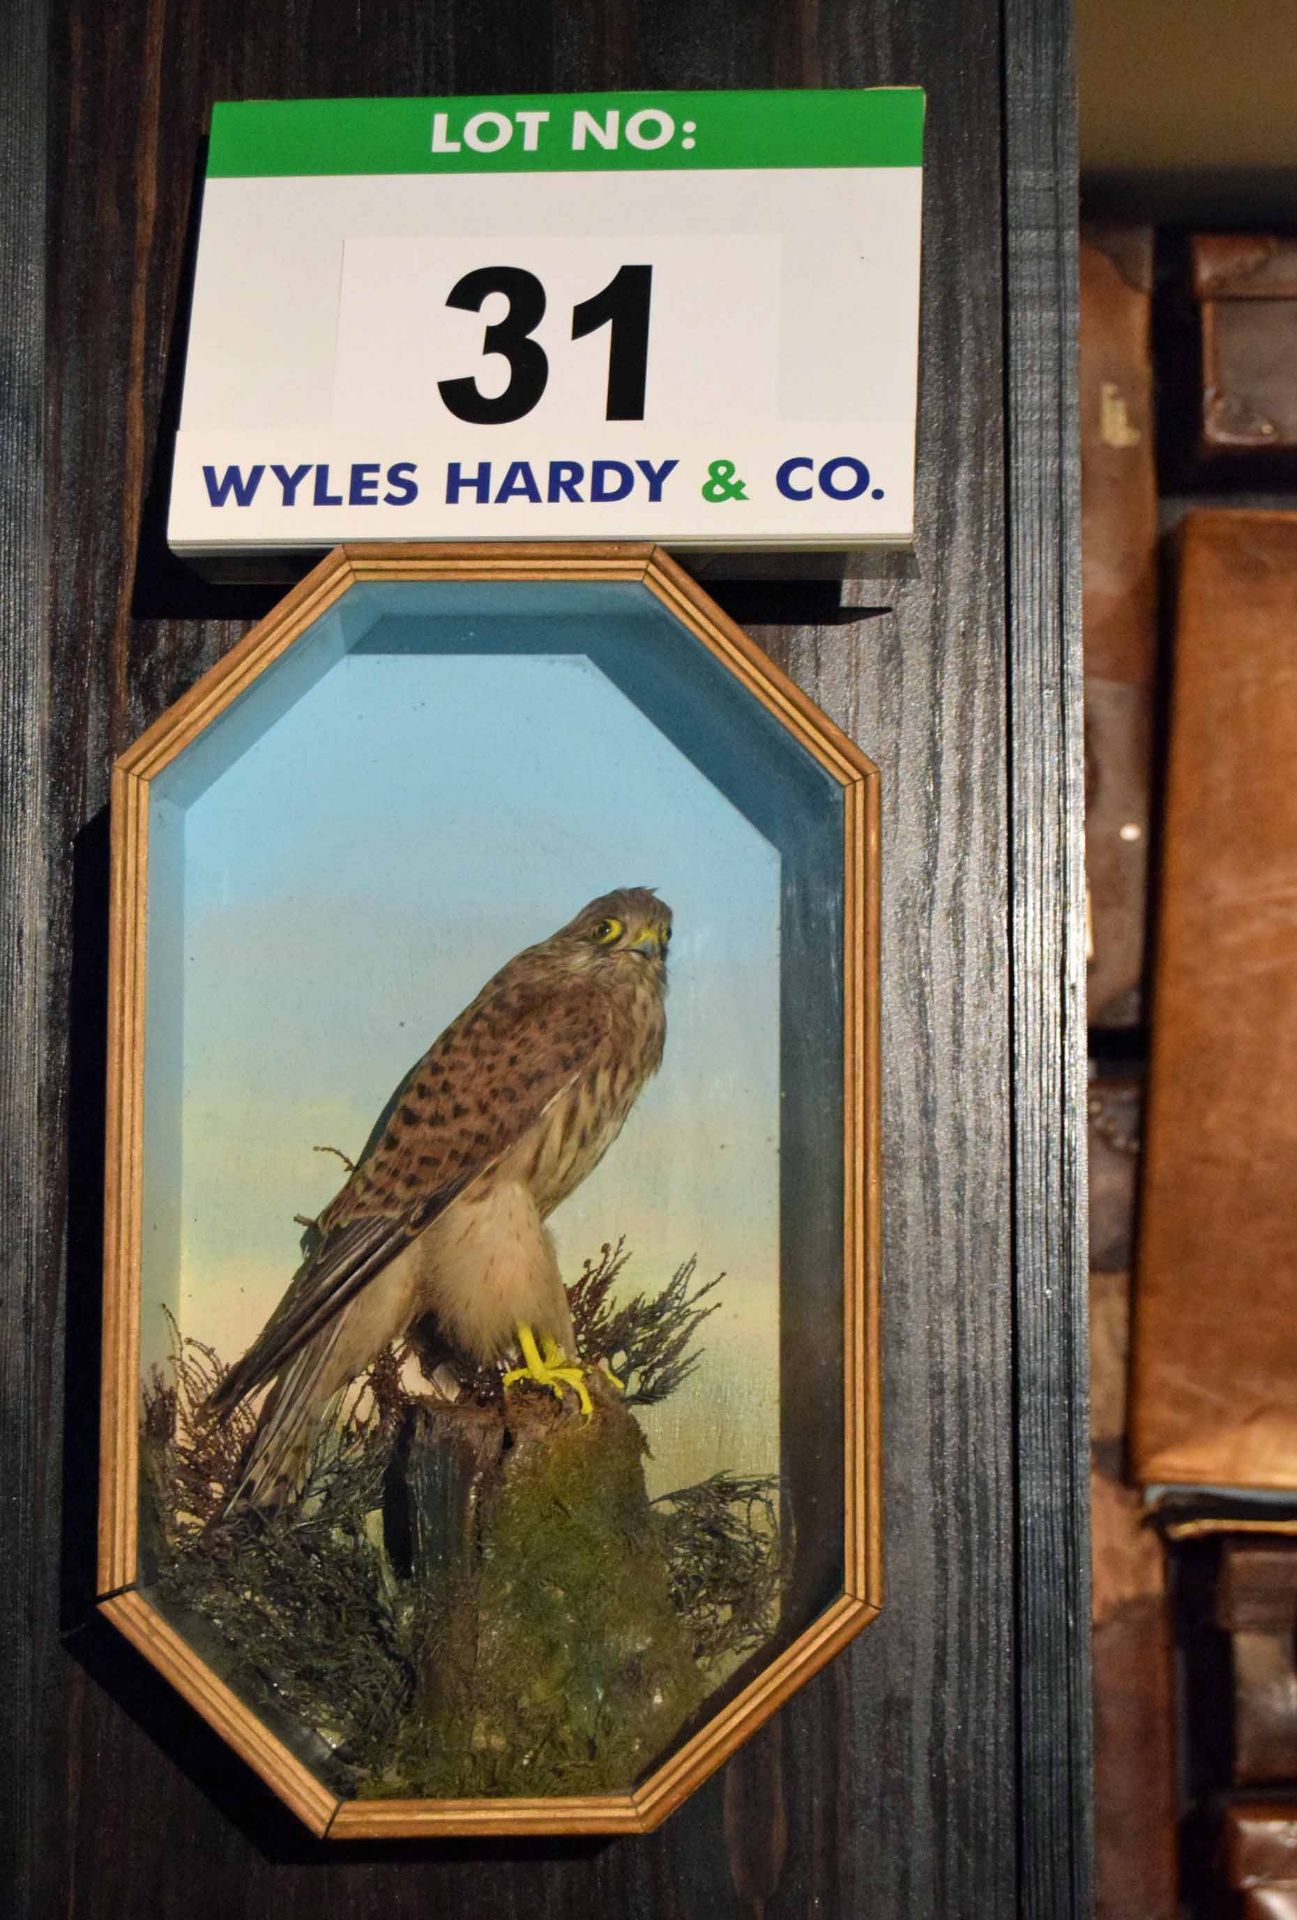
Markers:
(279, 1453)
(226, 1395)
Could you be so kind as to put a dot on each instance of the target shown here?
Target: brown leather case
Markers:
(1257, 1588)
(1259, 1846)
(1119, 604)
(1246, 287)
(1269, 1903)
(1265, 1708)
(1215, 1399)
(1256, 1604)
(1134, 1725)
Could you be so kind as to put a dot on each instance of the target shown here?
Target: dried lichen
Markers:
(722, 1545)
(650, 1341)
(302, 1601)
(475, 1598)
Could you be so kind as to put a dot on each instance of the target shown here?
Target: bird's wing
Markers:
(329, 1276)
(476, 1093)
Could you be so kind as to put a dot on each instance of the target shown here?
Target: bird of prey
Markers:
(444, 1213)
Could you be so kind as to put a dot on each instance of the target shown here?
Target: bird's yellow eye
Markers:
(664, 937)
(607, 931)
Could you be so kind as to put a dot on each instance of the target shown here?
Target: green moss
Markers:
(474, 1598)
(558, 1662)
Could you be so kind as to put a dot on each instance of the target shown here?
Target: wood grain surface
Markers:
(30, 1289)
(1047, 879)
(906, 1785)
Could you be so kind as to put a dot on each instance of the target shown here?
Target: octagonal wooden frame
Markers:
(120, 1600)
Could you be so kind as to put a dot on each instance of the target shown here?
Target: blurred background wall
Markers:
(1188, 393)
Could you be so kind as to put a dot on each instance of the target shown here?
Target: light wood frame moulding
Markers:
(644, 1808)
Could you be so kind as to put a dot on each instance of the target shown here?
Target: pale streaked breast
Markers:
(572, 1137)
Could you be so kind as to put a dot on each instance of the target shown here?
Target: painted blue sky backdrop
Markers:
(409, 823)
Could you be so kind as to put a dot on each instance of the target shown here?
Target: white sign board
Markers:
(690, 318)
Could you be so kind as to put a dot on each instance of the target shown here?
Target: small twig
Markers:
(350, 1165)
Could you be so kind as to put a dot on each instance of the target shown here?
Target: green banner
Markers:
(569, 133)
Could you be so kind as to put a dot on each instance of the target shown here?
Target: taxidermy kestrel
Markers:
(444, 1213)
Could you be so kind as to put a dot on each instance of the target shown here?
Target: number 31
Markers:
(622, 306)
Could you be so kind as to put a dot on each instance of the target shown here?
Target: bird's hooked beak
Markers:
(649, 942)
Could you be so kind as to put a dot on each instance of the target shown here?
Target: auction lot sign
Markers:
(686, 317)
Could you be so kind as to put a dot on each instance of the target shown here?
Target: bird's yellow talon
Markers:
(550, 1369)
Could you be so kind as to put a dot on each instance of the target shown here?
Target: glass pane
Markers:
(432, 1579)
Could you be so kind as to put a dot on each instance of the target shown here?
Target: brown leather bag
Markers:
(1269, 1903)
(1259, 1849)
(1119, 604)
(1256, 1605)
(1246, 289)
(1215, 1399)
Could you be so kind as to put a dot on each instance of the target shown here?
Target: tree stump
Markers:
(550, 1655)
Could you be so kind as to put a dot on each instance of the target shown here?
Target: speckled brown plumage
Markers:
(511, 1107)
